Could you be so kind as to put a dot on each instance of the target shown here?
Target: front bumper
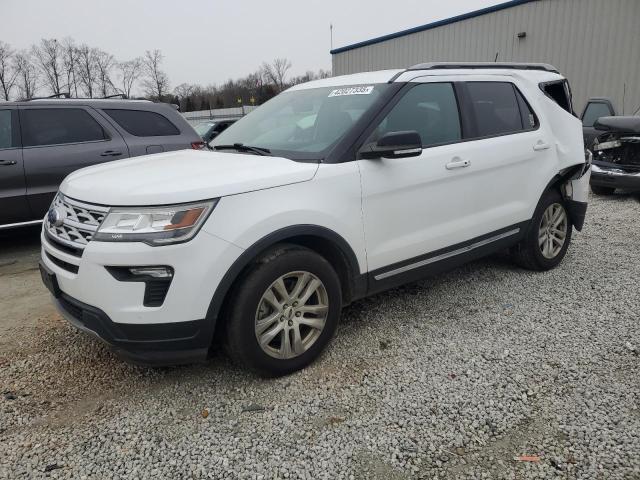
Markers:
(150, 345)
(606, 175)
(92, 299)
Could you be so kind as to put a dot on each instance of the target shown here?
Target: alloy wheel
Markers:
(552, 233)
(291, 315)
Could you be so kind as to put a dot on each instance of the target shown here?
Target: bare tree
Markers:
(156, 82)
(48, 58)
(86, 69)
(70, 64)
(276, 71)
(104, 65)
(129, 72)
(27, 75)
(8, 72)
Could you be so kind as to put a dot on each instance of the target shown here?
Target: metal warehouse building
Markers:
(595, 43)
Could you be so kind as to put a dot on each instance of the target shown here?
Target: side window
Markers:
(55, 126)
(141, 123)
(6, 130)
(529, 119)
(495, 108)
(559, 92)
(593, 112)
(430, 109)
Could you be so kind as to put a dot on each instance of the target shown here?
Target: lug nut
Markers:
(290, 323)
(282, 319)
(295, 304)
(298, 314)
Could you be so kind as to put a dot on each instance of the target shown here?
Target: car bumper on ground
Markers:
(175, 330)
(605, 175)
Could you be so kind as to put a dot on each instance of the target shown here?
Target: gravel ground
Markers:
(454, 377)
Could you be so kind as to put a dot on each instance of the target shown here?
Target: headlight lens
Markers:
(154, 225)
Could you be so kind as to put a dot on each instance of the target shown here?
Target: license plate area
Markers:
(50, 281)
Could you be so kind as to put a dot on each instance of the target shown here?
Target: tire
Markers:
(534, 252)
(255, 298)
(599, 190)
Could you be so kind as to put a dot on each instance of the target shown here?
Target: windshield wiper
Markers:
(244, 148)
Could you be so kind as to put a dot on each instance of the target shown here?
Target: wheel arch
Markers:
(322, 240)
(575, 209)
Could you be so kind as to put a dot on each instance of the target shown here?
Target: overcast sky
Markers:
(210, 41)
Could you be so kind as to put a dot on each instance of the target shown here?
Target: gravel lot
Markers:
(453, 377)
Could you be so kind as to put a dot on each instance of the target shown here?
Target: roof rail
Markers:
(50, 97)
(484, 65)
(116, 95)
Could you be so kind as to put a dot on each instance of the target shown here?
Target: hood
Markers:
(618, 124)
(182, 176)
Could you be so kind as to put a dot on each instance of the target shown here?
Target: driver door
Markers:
(419, 204)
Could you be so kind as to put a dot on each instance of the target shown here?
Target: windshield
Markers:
(203, 128)
(303, 124)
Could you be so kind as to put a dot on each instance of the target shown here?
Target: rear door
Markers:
(594, 109)
(58, 140)
(13, 200)
(513, 155)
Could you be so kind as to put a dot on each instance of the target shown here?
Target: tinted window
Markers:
(495, 108)
(6, 136)
(143, 124)
(430, 109)
(54, 126)
(529, 119)
(559, 93)
(594, 111)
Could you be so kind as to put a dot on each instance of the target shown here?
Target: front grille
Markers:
(79, 221)
(69, 267)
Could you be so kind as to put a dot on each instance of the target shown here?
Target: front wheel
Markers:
(547, 240)
(284, 312)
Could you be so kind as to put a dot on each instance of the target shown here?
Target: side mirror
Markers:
(394, 145)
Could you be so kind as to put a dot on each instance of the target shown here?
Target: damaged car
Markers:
(615, 143)
(616, 155)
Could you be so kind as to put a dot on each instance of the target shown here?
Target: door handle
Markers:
(7, 163)
(110, 153)
(540, 146)
(457, 162)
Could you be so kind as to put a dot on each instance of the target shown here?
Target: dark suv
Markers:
(42, 141)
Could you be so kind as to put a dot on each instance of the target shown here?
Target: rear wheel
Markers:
(284, 312)
(547, 240)
(599, 190)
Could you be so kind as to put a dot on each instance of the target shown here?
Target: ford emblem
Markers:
(55, 217)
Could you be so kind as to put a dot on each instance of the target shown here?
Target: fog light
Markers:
(155, 272)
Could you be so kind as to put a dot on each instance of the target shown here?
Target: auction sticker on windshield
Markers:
(351, 91)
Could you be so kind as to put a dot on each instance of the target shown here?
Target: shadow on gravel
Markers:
(18, 241)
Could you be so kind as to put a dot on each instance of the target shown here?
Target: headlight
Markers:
(154, 225)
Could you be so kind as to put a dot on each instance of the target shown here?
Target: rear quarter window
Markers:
(560, 93)
(142, 123)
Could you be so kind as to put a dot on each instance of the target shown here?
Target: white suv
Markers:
(333, 190)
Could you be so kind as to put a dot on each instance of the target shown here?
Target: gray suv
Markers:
(43, 141)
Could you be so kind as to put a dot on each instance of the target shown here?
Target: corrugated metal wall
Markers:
(595, 43)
